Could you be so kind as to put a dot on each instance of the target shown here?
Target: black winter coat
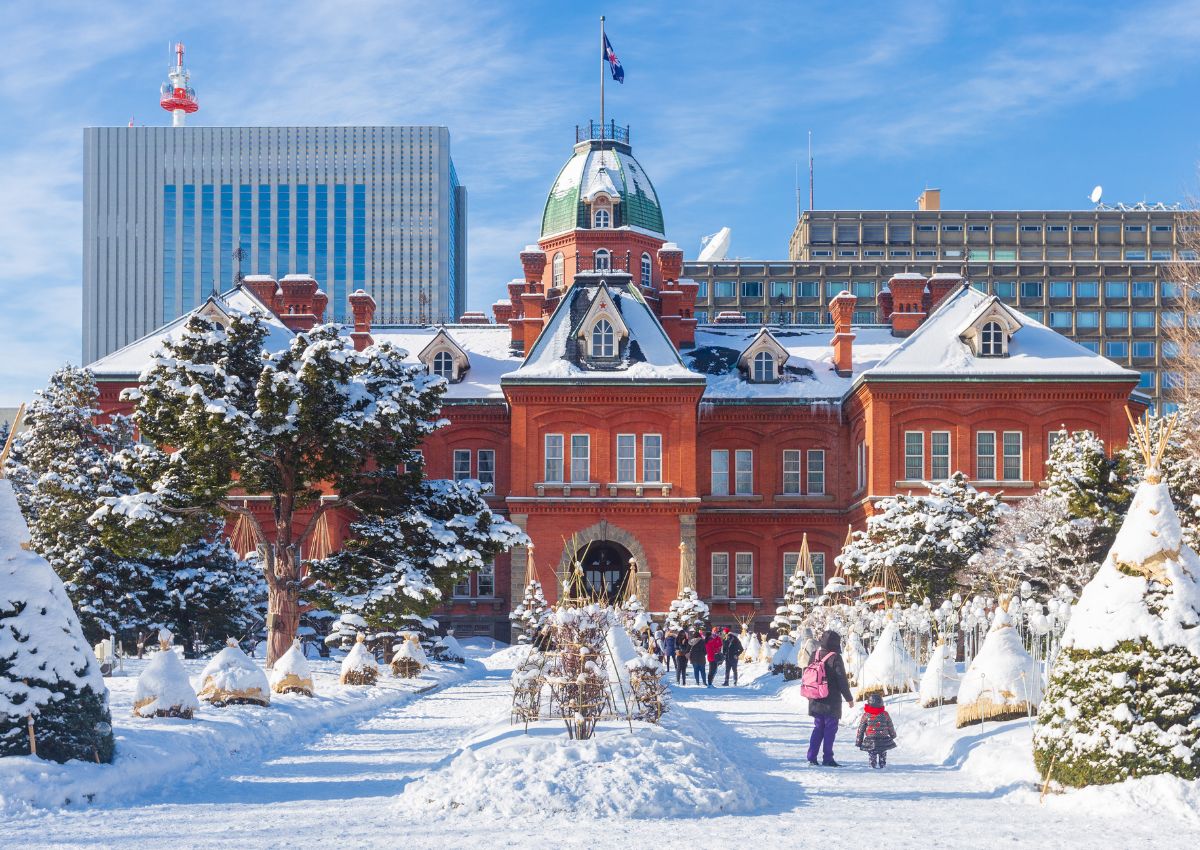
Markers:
(697, 654)
(835, 674)
(732, 649)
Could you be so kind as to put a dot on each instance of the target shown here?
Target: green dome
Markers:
(590, 169)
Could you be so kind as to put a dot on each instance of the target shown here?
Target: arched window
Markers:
(991, 341)
(603, 339)
(646, 269)
(603, 260)
(764, 367)
(601, 218)
(559, 271)
(443, 365)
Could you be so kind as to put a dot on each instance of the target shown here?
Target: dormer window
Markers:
(764, 367)
(602, 218)
(603, 260)
(603, 339)
(443, 365)
(991, 340)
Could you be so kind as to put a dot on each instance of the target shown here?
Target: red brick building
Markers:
(616, 431)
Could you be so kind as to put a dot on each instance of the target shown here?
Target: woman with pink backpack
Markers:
(825, 684)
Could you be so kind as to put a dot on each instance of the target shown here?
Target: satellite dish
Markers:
(714, 247)
(1095, 196)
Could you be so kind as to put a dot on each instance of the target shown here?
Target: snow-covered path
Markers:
(339, 790)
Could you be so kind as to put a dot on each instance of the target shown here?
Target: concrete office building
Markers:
(1098, 276)
(166, 210)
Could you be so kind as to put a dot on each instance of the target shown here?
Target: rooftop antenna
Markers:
(1096, 194)
(177, 95)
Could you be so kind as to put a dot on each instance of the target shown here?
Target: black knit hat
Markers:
(875, 700)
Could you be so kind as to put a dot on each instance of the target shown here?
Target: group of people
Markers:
(706, 651)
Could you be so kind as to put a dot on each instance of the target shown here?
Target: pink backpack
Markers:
(813, 682)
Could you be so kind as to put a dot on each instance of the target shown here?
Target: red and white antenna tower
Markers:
(178, 97)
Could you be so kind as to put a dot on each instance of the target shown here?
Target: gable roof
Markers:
(935, 351)
(648, 357)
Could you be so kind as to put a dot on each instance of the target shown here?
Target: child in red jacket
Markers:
(712, 651)
(876, 733)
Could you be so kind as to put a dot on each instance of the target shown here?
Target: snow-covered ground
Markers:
(380, 778)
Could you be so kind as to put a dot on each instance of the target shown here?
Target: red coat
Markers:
(713, 648)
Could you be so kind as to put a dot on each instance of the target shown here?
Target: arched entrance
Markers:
(604, 566)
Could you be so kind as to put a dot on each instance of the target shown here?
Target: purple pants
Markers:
(823, 733)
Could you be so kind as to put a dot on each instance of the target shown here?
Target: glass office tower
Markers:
(173, 213)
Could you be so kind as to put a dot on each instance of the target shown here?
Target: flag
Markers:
(614, 64)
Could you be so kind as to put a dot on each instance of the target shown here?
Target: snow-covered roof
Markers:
(935, 350)
(647, 355)
(128, 362)
(612, 168)
(807, 375)
(487, 346)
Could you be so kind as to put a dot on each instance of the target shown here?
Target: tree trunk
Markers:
(283, 618)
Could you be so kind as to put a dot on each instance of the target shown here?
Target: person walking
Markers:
(826, 711)
(713, 654)
(876, 732)
(681, 657)
(696, 654)
(732, 647)
(668, 645)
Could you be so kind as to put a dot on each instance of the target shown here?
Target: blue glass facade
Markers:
(264, 229)
(208, 280)
(321, 258)
(452, 231)
(302, 231)
(168, 291)
(189, 248)
(227, 263)
(360, 236)
(283, 246)
(245, 223)
(339, 247)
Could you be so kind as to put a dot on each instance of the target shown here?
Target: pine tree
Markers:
(60, 466)
(529, 616)
(1092, 490)
(403, 560)
(47, 670)
(1124, 697)
(316, 419)
(925, 540)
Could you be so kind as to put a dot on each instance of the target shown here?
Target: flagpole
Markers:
(602, 52)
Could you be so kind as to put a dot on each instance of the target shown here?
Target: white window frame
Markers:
(991, 340)
(463, 588)
(553, 467)
(602, 218)
(910, 458)
(485, 581)
(939, 458)
(791, 562)
(626, 458)
(1008, 456)
(647, 270)
(719, 472)
(581, 458)
(861, 455)
(816, 472)
(558, 273)
(743, 472)
(743, 575)
(442, 365)
(763, 371)
(604, 339)
(719, 562)
(984, 459)
(791, 472)
(602, 260)
(818, 568)
(486, 471)
(462, 464)
(652, 460)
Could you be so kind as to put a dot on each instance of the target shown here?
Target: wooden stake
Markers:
(32, 737)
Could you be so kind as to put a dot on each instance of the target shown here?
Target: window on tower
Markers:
(602, 218)
(646, 269)
(603, 260)
(559, 271)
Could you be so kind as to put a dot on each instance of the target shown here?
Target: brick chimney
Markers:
(473, 318)
(300, 308)
(941, 285)
(362, 306)
(531, 318)
(533, 264)
(670, 259)
(262, 287)
(885, 304)
(842, 310)
(908, 302)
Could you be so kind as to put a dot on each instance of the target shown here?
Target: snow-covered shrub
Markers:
(940, 681)
(687, 611)
(889, 669)
(448, 649)
(163, 688)
(232, 678)
(1003, 681)
(531, 614)
(1124, 697)
(290, 674)
(47, 670)
(359, 667)
(409, 659)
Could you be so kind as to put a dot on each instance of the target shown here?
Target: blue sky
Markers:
(1003, 106)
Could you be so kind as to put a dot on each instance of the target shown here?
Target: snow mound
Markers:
(940, 682)
(291, 673)
(164, 690)
(655, 772)
(889, 669)
(232, 678)
(1003, 680)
